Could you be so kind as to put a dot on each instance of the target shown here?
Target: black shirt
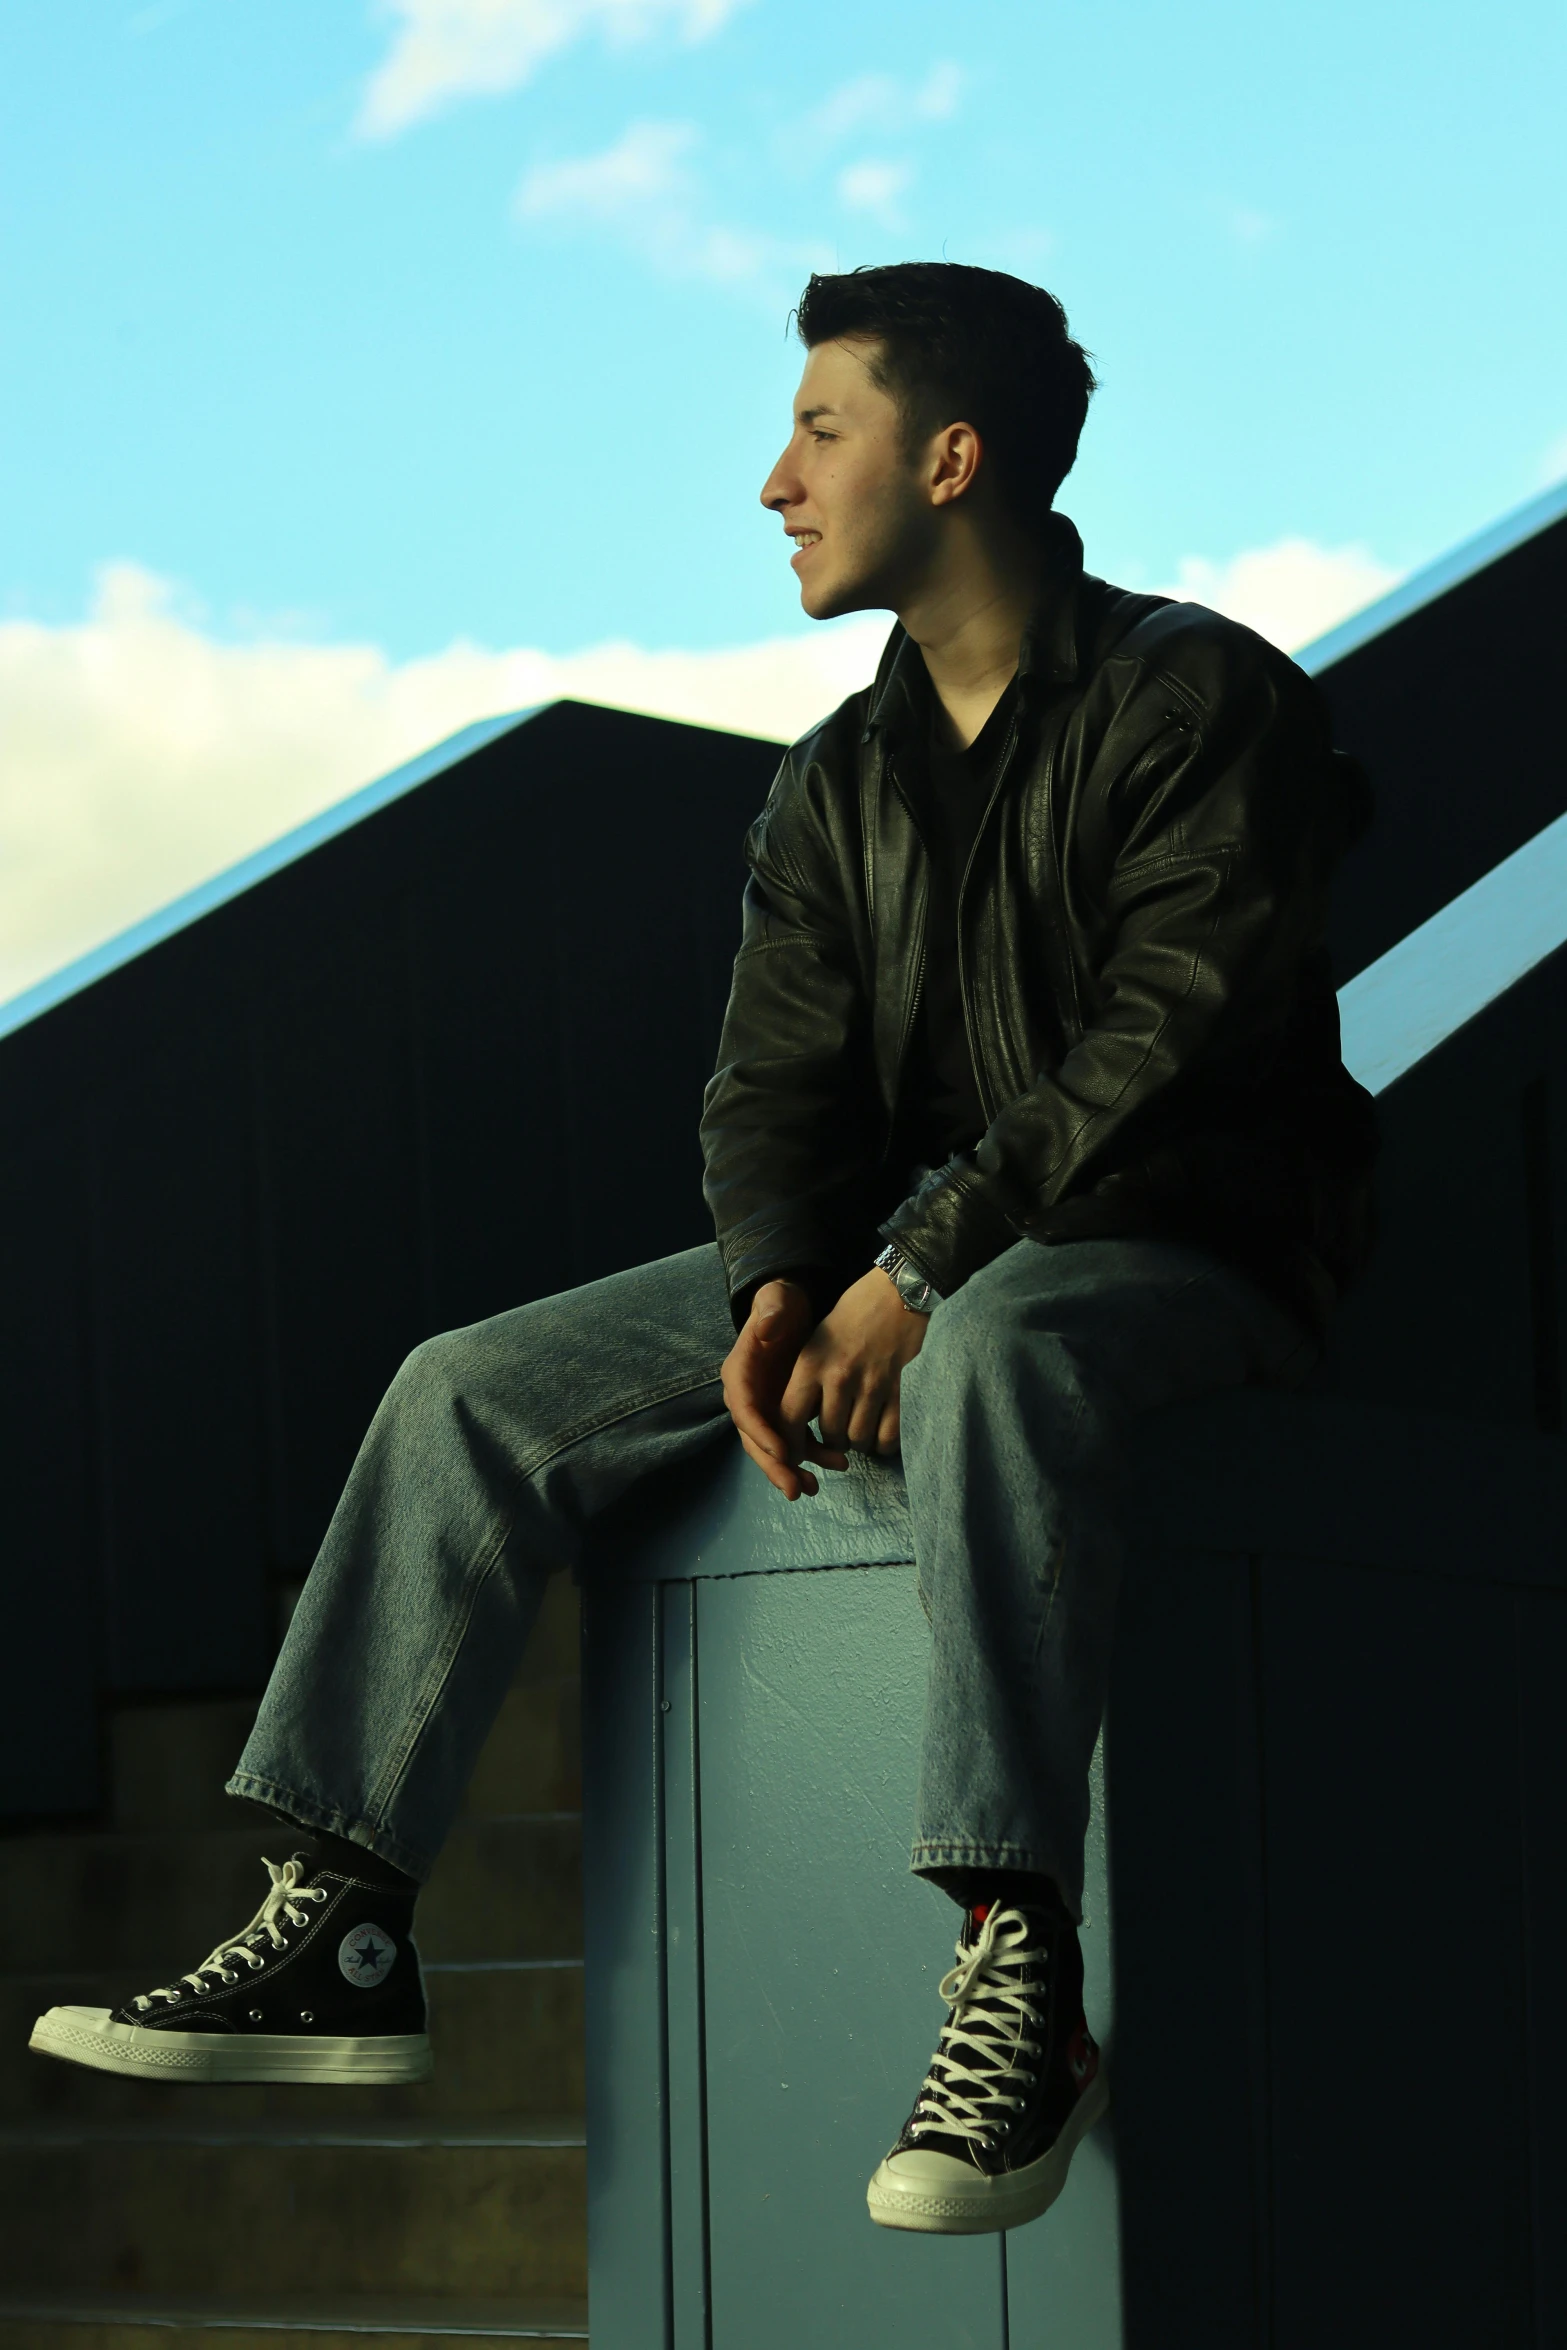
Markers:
(949, 791)
(939, 1108)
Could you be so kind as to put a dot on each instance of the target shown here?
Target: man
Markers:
(1029, 1115)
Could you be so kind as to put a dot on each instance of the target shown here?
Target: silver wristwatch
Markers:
(918, 1294)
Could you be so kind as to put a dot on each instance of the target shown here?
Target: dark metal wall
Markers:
(1464, 1307)
(1337, 1799)
(452, 1060)
(1455, 713)
(1338, 1794)
(447, 1062)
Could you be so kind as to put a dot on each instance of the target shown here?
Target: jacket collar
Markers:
(1050, 656)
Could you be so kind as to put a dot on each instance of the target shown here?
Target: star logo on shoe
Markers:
(365, 1956)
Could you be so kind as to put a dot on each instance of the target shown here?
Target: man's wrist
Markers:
(819, 1283)
(918, 1295)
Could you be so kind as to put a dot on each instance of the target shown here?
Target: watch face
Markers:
(913, 1288)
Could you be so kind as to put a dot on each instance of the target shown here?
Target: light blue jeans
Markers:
(497, 1446)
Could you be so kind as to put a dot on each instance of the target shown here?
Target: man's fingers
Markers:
(803, 1403)
(870, 1409)
(762, 1359)
(805, 1445)
(756, 1429)
(800, 1403)
(780, 1446)
(751, 1392)
(791, 1482)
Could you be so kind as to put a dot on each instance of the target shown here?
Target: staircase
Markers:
(310, 2218)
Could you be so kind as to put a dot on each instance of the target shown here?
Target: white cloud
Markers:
(138, 756)
(875, 187)
(877, 102)
(1289, 592)
(645, 167)
(449, 49)
(644, 189)
(884, 102)
(938, 94)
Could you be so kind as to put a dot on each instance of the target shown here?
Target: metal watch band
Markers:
(919, 1295)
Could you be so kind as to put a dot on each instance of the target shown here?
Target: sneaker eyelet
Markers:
(255, 2015)
(228, 1978)
(306, 2015)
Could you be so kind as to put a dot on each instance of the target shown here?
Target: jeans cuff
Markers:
(943, 1852)
(306, 1812)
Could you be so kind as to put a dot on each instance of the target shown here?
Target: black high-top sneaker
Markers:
(322, 1985)
(1015, 2083)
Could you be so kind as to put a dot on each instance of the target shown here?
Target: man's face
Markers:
(849, 494)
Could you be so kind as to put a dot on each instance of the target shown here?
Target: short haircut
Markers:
(969, 345)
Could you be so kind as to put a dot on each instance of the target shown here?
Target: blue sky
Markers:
(369, 365)
(348, 386)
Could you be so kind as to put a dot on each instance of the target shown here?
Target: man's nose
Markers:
(780, 488)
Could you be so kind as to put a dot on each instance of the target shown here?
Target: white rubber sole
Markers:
(945, 2197)
(86, 2035)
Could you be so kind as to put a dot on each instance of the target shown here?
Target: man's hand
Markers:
(780, 1375)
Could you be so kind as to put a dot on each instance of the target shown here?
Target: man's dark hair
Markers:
(973, 345)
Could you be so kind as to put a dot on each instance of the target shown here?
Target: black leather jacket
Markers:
(1144, 975)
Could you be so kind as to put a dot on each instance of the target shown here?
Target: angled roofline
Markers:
(1411, 595)
(1446, 972)
(180, 912)
(1448, 571)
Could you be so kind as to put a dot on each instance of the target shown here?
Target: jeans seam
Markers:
(592, 1426)
(384, 1793)
(1058, 1561)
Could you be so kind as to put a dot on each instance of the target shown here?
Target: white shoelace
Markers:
(992, 2009)
(282, 1902)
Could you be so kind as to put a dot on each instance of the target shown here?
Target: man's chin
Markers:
(829, 600)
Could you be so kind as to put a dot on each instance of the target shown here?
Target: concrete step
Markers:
(364, 2205)
(554, 1651)
(169, 1761)
(118, 2321)
(169, 1758)
(508, 2039)
(532, 1759)
(505, 1887)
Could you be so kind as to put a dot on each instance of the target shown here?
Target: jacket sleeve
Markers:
(787, 1134)
(1227, 831)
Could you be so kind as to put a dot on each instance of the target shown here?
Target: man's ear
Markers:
(955, 457)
